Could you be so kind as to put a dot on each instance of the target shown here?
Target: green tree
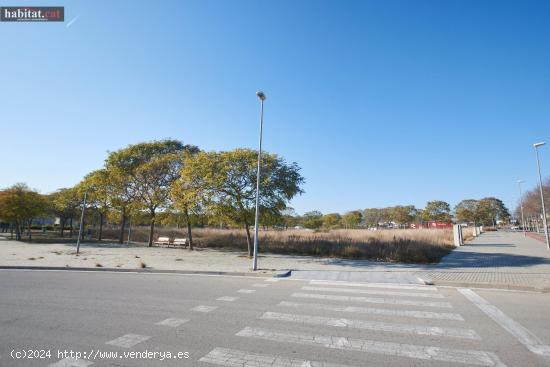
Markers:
(403, 214)
(467, 211)
(186, 197)
(490, 210)
(332, 220)
(64, 204)
(313, 219)
(352, 219)
(437, 210)
(100, 190)
(290, 218)
(20, 205)
(226, 184)
(142, 175)
(373, 216)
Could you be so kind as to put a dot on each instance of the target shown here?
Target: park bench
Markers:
(162, 241)
(180, 242)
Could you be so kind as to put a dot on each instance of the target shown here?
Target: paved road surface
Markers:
(230, 321)
(496, 259)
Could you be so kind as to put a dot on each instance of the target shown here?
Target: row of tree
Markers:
(176, 184)
(168, 179)
(486, 211)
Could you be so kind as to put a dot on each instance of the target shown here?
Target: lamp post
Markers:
(262, 97)
(81, 224)
(536, 146)
(521, 206)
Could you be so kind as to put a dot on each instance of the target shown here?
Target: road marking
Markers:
(373, 291)
(475, 357)
(238, 358)
(128, 340)
(172, 322)
(246, 291)
(373, 325)
(376, 311)
(71, 362)
(524, 336)
(203, 308)
(260, 285)
(375, 285)
(389, 301)
(227, 299)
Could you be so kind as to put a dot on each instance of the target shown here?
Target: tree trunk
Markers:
(189, 234)
(122, 225)
(17, 231)
(29, 224)
(248, 239)
(62, 226)
(100, 233)
(152, 229)
(71, 226)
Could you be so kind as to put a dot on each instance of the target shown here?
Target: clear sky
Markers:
(380, 102)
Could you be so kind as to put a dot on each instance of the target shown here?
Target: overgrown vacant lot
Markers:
(404, 245)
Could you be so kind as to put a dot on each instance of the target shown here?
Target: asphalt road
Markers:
(261, 322)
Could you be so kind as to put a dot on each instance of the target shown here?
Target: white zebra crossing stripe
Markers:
(389, 301)
(227, 299)
(202, 308)
(473, 357)
(373, 325)
(374, 285)
(376, 311)
(524, 336)
(237, 358)
(247, 291)
(260, 285)
(374, 292)
(128, 340)
(172, 322)
(71, 362)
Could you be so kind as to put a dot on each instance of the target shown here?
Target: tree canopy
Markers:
(437, 210)
(19, 205)
(226, 184)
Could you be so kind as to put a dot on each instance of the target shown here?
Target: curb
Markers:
(146, 271)
(491, 286)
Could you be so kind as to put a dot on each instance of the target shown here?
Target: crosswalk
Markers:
(407, 322)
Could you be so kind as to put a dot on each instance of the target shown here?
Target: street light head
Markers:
(260, 95)
(520, 181)
(536, 145)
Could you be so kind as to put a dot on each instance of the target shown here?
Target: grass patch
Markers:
(142, 265)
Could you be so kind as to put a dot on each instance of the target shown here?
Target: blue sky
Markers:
(380, 102)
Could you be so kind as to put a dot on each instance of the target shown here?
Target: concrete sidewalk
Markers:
(495, 259)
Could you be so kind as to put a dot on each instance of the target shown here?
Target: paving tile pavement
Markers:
(504, 259)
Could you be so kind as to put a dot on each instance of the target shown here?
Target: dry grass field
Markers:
(403, 245)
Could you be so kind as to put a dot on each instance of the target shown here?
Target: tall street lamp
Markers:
(536, 146)
(521, 206)
(81, 224)
(262, 97)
